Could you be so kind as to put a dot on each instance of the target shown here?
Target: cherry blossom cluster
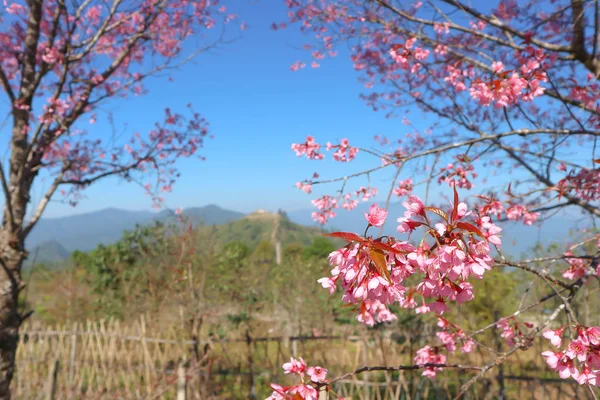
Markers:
(588, 95)
(305, 389)
(430, 355)
(366, 193)
(578, 267)
(458, 174)
(151, 156)
(404, 187)
(327, 204)
(404, 53)
(451, 334)
(512, 211)
(344, 152)
(309, 148)
(585, 184)
(517, 212)
(306, 187)
(373, 272)
(349, 203)
(581, 357)
(513, 331)
(508, 87)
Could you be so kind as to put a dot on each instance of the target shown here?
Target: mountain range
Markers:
(53, 239)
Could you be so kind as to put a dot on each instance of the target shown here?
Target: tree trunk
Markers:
(10, 320)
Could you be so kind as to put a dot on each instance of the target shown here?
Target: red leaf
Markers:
(438, 211)
(455, 209)
(470, 228)
(387, 247)
(378, 259)
(351, 237)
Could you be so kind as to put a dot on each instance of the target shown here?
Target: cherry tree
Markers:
(59, 62)
(509, 90)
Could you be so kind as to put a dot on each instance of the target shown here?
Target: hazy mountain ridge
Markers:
(53, 237)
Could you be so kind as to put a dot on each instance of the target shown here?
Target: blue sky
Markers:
(256, 108)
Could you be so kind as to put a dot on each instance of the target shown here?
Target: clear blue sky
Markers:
(256, 107)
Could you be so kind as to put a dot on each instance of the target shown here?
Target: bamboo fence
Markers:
(110, 360)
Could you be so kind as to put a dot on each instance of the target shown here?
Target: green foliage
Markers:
(116, 272)
(264, 253)
(226, 269)
(320, 248)
(293, 251)
(496, 296)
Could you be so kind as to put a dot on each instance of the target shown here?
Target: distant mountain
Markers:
(207, 215)
(86, 231)
(49, 252)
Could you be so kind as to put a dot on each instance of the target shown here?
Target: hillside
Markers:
(57, 238)
(50, 253)
(260, 226)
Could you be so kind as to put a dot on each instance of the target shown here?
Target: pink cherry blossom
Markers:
(555, 337)
(294, 366)
(376, 216)
(302, 390)
(317, 374)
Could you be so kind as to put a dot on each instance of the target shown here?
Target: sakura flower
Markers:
(302, 390)
(294, 366)
(376, 216)
(306, 392)
(328, 283)
(414, 206)
(555, 337)
(317, 374)
(588, 377)
(577, 349)
(552, 358)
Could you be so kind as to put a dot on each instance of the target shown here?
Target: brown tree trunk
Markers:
(16, 191)
(10, 282)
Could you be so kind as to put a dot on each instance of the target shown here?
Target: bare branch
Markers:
(44, 202)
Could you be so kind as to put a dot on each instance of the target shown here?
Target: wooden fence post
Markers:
(181, 383)
(51, 383)
(323, 394)
(73, 354)
(365, 360)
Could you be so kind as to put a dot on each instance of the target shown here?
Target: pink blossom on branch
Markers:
(376, 216)
(302, 390)
(309, 148)
(581, 357)
(373, 272)
(404, 187)
(513, 107)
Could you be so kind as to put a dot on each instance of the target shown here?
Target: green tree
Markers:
(264, 253)
(320, 248)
